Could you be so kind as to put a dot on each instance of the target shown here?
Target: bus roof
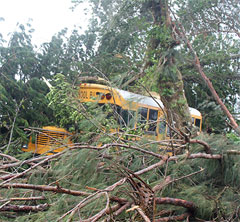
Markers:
(150, 101)
(146, 100)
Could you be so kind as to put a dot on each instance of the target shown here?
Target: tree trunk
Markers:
(170, 80)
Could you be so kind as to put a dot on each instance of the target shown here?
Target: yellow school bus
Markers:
(132, 110)
(48, 140)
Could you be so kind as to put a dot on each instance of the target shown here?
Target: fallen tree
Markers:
(128, 194)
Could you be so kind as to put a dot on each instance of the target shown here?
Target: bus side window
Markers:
(126, 117)
(131, 118)
(142, 115)
(153, 114)
(162, 127)
(197, 122)
(122, 116)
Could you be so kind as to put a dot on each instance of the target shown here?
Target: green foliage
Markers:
(215, 187)
(215, 190)
(114, 46)
(213, 116)
(234, 138)
(76, 170)
(87, 120)
(127, 28)
(22, 93)
(63, 100)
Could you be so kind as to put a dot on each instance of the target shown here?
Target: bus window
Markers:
(143, 114)
(131, 118)
(197, 122)
(122, 116)
(162, 127)
(153, 114)
(126, 117)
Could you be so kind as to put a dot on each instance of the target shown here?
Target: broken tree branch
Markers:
(199, 68)
(56, 189)
(13, 125)
(177, 202)
(144, 216)
(24, 208)
(23, 199)
(32, 167)
(174, 218)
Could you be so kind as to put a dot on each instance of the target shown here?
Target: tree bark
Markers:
(24, 208)
(177, 202)
(170, 80)
(44, 188)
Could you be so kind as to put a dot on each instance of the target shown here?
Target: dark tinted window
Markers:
(153, 115)
(197, 123)
(142, 114)
(124, 115)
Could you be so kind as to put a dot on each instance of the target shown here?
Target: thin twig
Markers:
(13, 125)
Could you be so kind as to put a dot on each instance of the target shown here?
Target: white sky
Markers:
(49, 17)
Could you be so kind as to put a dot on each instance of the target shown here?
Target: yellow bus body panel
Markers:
(49, 140)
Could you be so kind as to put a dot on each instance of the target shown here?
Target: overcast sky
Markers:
(49, 17)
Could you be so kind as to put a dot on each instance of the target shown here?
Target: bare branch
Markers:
(23, 199)
(18, 162)
(144, 216)
(13, 125)
(199, 68)
(24, 208)
(56, 189)
(168, 180)
(232, 152)
(206, 146)
(176, 202)
(32, 167)
(174, 218)
(8, 157)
